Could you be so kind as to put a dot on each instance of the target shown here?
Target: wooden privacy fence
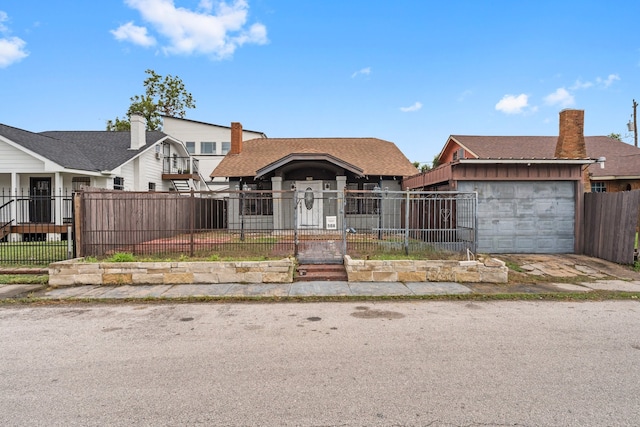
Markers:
(123, 219)
(610, 225)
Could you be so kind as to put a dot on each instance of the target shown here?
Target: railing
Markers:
(276, 223)
(35, 229)
(180, 165)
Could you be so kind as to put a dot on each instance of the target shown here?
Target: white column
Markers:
(13, 194)
(276, 186)
(57, 197)
(341, 182)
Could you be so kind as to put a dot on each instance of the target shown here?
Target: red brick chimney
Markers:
(570, 143)
(236, 138)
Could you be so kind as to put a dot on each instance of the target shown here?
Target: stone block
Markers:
(440, 275)
(360, 276)
(467, 275)
(147, 278)
(493, 262)
(206, 278)
(412, 276)
(178, 278)
(494, 275)
(384, 276)
(117, 279)
(277, 278)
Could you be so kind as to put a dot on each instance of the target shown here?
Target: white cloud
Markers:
(134, 34)
(560, 97)
(579, 84)
(415, 107)
(608, 81)
(364, 71)
(206, 5)
(12, 49)
(217, 33)
(464, 95)
(511, 104)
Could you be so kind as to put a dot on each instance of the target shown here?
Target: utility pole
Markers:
(635, 124)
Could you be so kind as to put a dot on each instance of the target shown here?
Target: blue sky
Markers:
(411, 72)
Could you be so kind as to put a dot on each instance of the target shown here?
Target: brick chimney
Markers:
(138, 131)
(570, 143)
(236, 138)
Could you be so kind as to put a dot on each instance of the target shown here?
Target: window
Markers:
(361, 199)
(598, 187)
(191, 147)
(118, 183)
(207, 147)
(152, 186)
(256, 203)
(226, 146)
(80, 182)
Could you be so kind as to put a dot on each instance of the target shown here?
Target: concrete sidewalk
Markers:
(304, 289)
(297, 289)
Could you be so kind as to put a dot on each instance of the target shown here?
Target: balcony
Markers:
(180, 168)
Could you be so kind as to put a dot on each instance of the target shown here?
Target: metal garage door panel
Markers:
(524, 217)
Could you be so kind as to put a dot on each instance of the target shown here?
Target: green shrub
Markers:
(121, 257)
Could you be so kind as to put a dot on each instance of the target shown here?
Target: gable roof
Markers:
(106, 150)
(211, 124)
(82, 150)
(371, 155)
(622, 159)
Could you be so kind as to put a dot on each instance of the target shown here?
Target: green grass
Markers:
(32, 253)
(20, 279)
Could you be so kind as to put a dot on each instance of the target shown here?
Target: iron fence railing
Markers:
(276, 223)
(35, 227)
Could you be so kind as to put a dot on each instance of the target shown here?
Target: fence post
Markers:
(192, 202)
(78, 217)
(295, 223)
(406, 224)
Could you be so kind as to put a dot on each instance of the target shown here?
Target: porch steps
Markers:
(320, 272)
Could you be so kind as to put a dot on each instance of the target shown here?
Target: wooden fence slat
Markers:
(611, 221)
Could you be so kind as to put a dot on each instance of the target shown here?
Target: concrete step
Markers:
(320, 272)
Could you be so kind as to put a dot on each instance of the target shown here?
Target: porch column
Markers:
(276, 186)
(58, 188)
(341, 184)
(13, 194)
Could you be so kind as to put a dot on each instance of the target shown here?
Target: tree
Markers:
(615, 136)
(163, 96)
(436, 161)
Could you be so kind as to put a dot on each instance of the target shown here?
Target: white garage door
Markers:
(525, 216)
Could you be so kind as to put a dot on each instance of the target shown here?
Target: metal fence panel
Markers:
(35, 227)
(311, 223)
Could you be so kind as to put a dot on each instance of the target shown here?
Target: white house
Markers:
(40, 171)
(207, 142)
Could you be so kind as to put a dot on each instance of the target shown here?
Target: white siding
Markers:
(15, 160)
(185, 130)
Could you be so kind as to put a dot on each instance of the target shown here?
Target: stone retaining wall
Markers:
(77, 272)
(490, 271)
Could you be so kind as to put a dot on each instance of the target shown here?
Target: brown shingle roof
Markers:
(374, 156)
(622, 159)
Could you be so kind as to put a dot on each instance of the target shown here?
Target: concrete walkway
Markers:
(298, 289)
(303, 289)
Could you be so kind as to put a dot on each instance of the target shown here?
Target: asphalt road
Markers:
(345, 364)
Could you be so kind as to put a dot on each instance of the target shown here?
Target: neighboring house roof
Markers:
(81, 150)
(106, 150)
(622, 159)
(211, 124)
(371, 155)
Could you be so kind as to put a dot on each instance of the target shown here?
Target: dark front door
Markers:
(40, 200)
